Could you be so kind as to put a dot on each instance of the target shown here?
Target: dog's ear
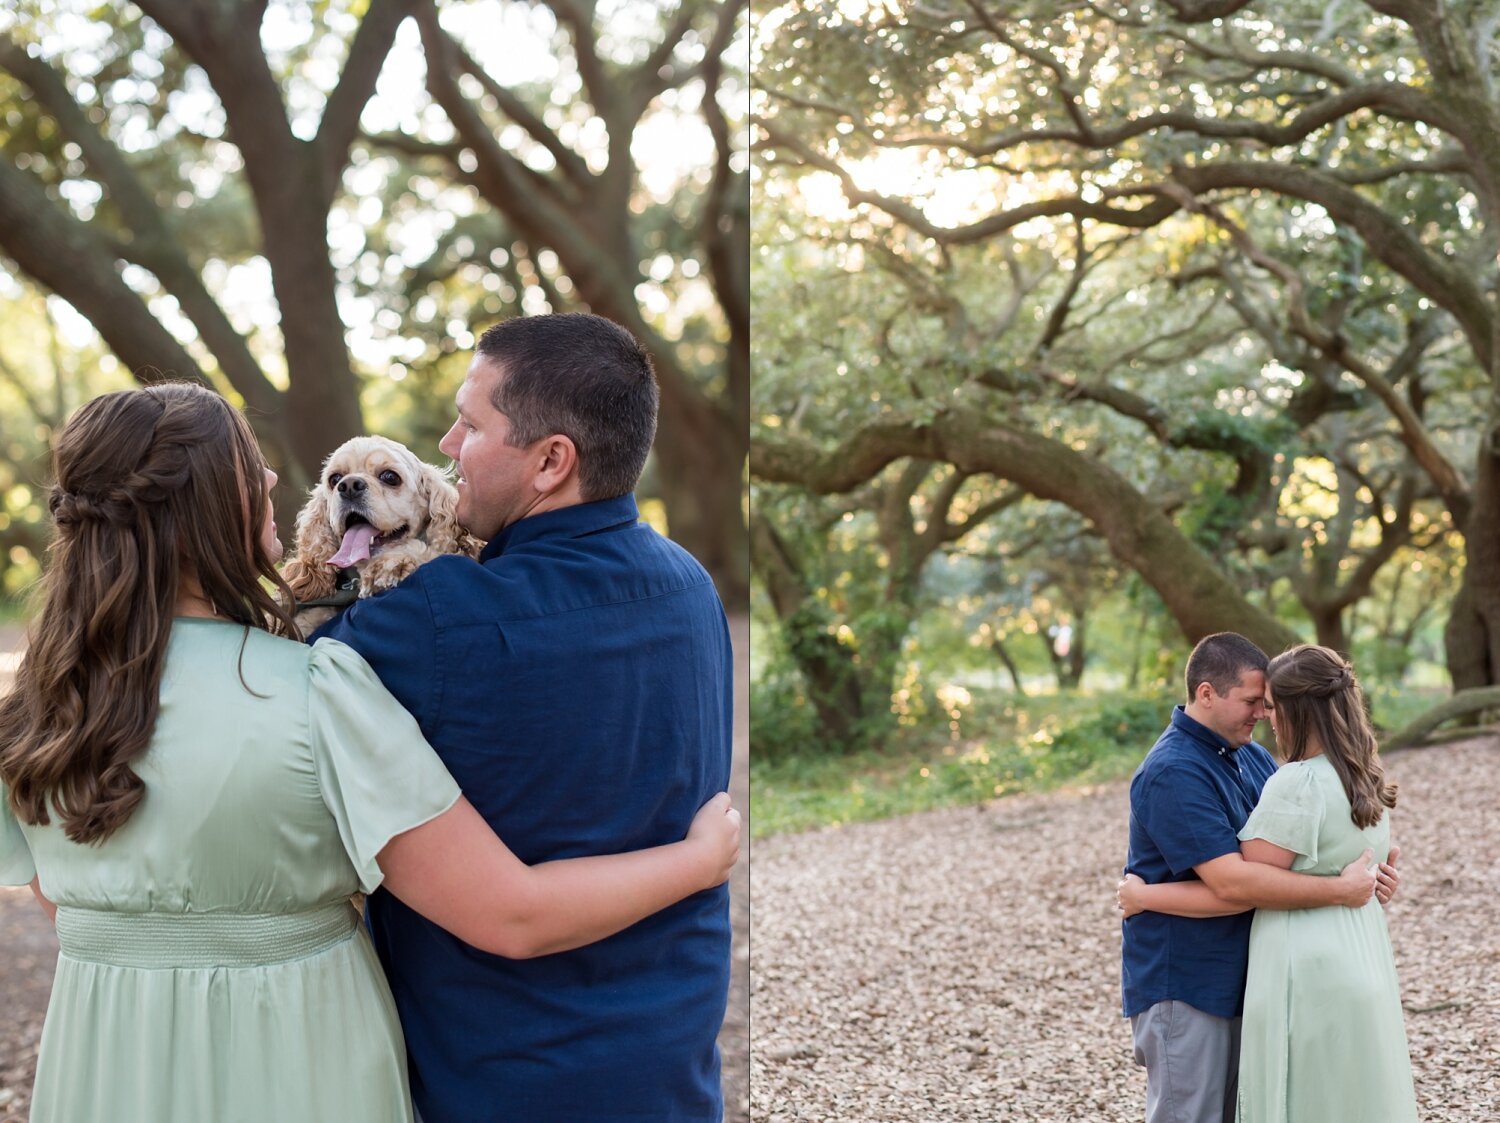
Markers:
(444, 533)
(309, 575)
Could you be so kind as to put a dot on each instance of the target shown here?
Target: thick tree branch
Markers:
(724, 229)
(150, 242)
(138, 209)
(1200, 596)
(1202, 11)
(573, 167)
(1445, 476)
(578, 17)
(70, 259)
(1386, 236)
(1394, 100)
(1145, 217)
(367, 54)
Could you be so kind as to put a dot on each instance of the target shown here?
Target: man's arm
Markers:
(1228, 888)
(1387, 880)
(47, 906)
(1174, 898)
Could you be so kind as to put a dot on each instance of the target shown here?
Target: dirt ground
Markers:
(28, 948)
(963, 965)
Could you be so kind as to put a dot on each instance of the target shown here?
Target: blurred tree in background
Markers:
(315, 205)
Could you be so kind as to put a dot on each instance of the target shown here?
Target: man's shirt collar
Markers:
(577, 521)
(1201, 733)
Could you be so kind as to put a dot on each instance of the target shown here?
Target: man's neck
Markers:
(1193, 711)
(566, 496)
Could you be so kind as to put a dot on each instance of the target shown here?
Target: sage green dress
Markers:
(1323, 1036)
(212, 968)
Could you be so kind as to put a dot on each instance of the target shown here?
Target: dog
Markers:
(376, 509)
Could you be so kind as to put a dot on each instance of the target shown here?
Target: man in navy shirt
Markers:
(577, 681)
(1184, 977)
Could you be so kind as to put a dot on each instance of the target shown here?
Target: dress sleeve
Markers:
(379, 776)
(16, 864)
(1290, 812)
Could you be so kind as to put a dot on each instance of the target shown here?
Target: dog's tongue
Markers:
(355, 547)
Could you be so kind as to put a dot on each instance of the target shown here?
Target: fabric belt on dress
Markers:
(163, 940)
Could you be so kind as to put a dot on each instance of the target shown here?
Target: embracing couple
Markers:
(1257, 967)
(516, 757)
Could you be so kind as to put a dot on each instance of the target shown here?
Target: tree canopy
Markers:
(1210, 283)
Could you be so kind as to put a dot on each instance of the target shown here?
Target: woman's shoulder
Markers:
(1295, 778)
(333, 665)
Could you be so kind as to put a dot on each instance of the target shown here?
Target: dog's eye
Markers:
(390, 479)
(334, 478)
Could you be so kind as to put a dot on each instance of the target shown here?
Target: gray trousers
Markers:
(1192, 1063)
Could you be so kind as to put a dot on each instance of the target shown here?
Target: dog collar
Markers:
(345, 592)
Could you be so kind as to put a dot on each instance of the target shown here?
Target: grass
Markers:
(999, 745)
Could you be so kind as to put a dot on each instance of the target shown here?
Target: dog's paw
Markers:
(308, 620)
(393, 565)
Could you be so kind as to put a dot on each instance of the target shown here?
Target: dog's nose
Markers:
(353, 486)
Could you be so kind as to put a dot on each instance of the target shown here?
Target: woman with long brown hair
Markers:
(1323, 1036)
(195, 798)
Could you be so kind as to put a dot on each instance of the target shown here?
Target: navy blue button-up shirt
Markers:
(578, 683)
(1188, 800)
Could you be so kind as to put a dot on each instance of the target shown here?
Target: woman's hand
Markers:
(715, 833)
(1127, 896)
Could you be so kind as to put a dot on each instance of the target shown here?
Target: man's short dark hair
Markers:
(1221, 660)
(582, 376)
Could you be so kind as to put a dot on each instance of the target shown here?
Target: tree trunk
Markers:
(700, 473)
(701, 442)
(1078, 652)
(833, 680)
(1328, 624)
(1472, 635)
(322, 396)
(827, 666)
(998, 647)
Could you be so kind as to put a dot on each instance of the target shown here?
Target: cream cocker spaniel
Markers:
(379, 509)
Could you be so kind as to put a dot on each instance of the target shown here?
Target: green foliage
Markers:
(783, 722)
(1028, 745)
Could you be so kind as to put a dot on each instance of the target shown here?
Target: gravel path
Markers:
(28, 948)
(964, 964)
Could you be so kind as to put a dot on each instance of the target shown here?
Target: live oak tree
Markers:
(1315, 178)
(150, 157)
(591, 211)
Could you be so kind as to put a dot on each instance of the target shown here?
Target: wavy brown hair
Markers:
(152, 486)
(1319, 704)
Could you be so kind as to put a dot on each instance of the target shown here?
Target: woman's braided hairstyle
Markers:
(152, 485)
(1319, 705)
